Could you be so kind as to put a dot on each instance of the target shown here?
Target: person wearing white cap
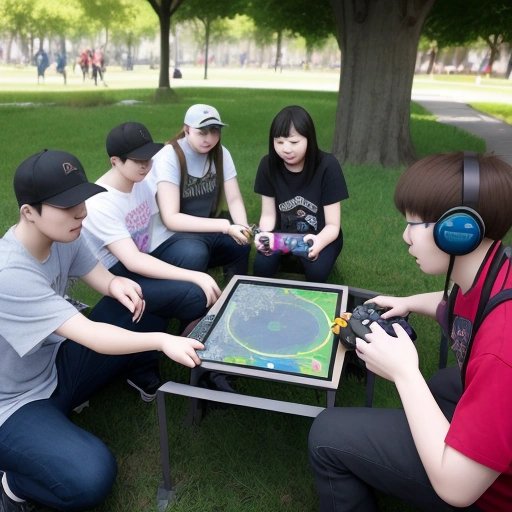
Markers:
(191, 176)
(120, 230)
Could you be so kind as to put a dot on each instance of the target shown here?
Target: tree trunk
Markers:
(206, 46)
(432, 54)
(378, 41)
(164, 10)
(165, 25)
(278, 61)
(494, 43)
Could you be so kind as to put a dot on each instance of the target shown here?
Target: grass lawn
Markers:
(237, 459)
(499, 110)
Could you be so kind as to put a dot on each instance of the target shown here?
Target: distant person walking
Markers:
(42, 62)
(84, 61)
(61, 66)
(98, 65)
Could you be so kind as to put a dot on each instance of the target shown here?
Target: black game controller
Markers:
(358, 324)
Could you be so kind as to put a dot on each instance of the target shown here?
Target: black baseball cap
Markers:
(53, 177)
(131, 140)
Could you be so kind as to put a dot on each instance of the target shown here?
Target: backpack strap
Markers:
(500, 297)
(487, 304)
(219, 176)
(218, 160)
(183, 164)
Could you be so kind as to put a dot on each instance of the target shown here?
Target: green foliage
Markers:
(459, 22)
(294, 16)
(237, 459)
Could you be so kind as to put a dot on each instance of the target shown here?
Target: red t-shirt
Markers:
(481, 427)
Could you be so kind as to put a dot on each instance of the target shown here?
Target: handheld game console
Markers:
(350, 326)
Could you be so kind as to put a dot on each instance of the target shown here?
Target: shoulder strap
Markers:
(487, 304)
(218, 160)
(500, 297)
(219, 175)
(183, 164)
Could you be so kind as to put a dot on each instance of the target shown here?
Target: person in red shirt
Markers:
(450, 447)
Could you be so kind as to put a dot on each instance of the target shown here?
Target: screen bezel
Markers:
(330, 382)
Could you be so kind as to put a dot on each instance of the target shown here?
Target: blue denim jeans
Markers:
(201, 251)
(165, 299)
(355, 451)
(46, 457)
(315, 271)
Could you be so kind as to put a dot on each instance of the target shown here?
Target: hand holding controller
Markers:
(284, 243)
(357, 324)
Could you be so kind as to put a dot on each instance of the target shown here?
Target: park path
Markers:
(496, 133)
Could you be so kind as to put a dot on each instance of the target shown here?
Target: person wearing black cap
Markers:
(52, 358)
(124, 230)
(192, 175)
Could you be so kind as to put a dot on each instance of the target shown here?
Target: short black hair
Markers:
(297, 117)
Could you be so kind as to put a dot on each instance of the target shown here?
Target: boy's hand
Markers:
(182, 350)
(398, 305)
(385, 355)
(209, 286)
(129, 294)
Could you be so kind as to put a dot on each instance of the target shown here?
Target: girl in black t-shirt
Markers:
(301, 189)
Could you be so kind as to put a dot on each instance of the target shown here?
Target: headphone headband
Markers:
(470, 181)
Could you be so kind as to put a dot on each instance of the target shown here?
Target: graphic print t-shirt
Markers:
(299, 204)
(115, 215)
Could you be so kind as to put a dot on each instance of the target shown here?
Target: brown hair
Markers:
(433, 185)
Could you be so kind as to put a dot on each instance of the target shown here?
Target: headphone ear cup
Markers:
(459, 231)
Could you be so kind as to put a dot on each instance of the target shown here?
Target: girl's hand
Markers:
(399, 305)
(239, 233)
(182, 350)
(129, 294)
(387, 356)
(315, 249)
(264, 242)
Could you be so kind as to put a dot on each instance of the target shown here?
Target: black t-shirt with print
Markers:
(299, 205)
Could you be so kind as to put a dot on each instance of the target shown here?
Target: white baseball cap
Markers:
(200, 116)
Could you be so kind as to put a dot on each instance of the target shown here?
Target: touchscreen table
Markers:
(275, 329)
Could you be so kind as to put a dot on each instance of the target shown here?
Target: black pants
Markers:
(315, 271)
(355, 451)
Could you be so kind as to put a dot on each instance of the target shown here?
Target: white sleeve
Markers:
(228, 165)
(166, 166)
(105, 221)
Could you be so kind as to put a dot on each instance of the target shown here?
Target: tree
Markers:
(459, 22)
(378, 42)
(138, 24)
(106, 13)
(31, 19)
(311, 20)
(164, 10)
(207, 13)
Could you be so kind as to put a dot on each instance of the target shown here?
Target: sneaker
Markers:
(147, 391)
(8, 505)
(217, 381)
(79, 408)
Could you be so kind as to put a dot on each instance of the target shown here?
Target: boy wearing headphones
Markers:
(451, 444)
